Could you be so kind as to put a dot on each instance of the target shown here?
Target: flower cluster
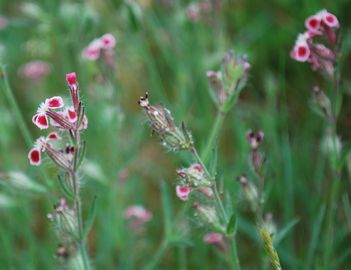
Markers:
(64, 220)
(104, 44)
(321, 25)
(161, 121)
(193, 178)
(227, 83)
(52, 112)
(137, 216)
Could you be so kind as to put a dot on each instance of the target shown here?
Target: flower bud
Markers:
(249, 192)
(162, 124)
(322, 102)
(194, 176)
(208, 215)
(215, 239)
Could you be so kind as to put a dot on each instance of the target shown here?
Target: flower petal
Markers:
(55, 102)
(41, 121)
(34, 157)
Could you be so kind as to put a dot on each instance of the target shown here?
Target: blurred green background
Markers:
(160, 50)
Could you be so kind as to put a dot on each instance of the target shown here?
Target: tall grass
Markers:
(160, 51)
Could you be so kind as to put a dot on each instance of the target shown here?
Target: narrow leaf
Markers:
(91, 217)
(231, 227)
(283, 232)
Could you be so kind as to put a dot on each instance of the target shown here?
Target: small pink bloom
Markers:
(138, 213)
(183, 192)
(71, 79)
(313, 23)
(329, 19)
(92, 52)
(213, 238)
(53, 136)
(108, 41)
(35, 70)
(193, 12)
(301, 50)
(71, 115)
(34, 157)
(55, 102)
(207, 191)
(40, 120)
(197, 167)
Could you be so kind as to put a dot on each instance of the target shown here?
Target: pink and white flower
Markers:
(40, 119)
(183, 192)
(108, 41)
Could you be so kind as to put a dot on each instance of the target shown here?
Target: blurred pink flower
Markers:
(324, 24)
(108, 41)
(3, 22)
(213, 238)
(92, 52)
(137, 214)
(98, 46)
(35, 70)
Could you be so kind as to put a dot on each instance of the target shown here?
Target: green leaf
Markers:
(315, 237)
(90, 220)
(231, 227)
(212, 167)
(64, 189)
(344, 155)
(283, 232)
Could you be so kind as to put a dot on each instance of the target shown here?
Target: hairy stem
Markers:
(234, 259)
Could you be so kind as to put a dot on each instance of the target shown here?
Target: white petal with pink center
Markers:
(183, 192)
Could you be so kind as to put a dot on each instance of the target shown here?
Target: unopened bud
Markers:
(322, 102)
(208, 215)
(162, 123)
(249, 192)
(194, 176)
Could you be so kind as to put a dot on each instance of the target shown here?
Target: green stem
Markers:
(234, 259)
(213, 136)
(78, 207)
(156, 259)
(336, 175)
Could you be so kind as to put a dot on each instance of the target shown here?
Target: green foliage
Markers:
(160, 51)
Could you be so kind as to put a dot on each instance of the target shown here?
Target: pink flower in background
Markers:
(183, 192)
(108, 41)
(138, 213)
(323, 24)
(99, 46)
(213, 238)
(35, 70)
(3, 22)
(92, 52)
(193, 12)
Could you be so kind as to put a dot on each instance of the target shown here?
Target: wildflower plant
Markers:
(324, 55)
(196, 182)
(66, 150)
